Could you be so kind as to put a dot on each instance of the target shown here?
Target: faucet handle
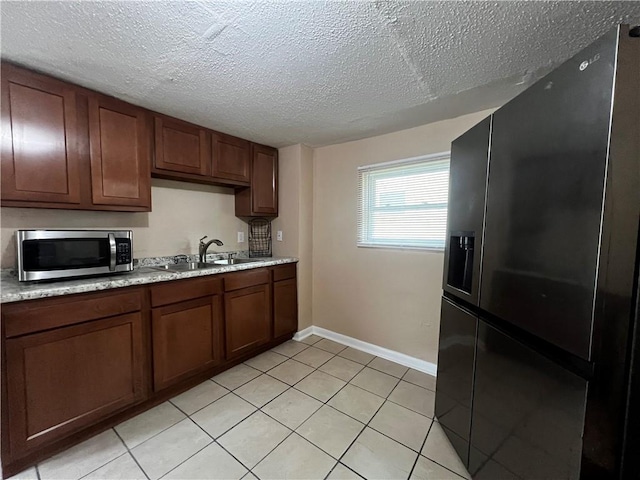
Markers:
(203, 238)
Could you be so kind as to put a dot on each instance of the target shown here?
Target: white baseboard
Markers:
(307, 332)
(392, 355)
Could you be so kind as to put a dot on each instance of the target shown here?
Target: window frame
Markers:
(362, 208)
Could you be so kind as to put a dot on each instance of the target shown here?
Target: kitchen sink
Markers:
(236, 261)
(185, 267)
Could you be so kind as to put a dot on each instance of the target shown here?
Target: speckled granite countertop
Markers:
(14, 291)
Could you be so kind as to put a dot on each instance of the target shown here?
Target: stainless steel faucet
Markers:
(202, 248)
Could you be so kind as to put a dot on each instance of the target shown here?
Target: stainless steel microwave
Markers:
(52, 254)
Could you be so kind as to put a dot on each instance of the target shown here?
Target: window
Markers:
(403, 204)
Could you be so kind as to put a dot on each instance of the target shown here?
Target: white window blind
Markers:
(404, 203)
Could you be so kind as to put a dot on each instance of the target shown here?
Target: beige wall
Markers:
(181, 214)
(390, 298)
(295, 170)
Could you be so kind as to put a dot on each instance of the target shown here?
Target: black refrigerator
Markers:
(538, 366)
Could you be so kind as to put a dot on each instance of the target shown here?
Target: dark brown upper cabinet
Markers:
(181, 147)
(231, 158)
(120, 139)
(40, 158)
(261, 199)
(191, 153)
(64, 146)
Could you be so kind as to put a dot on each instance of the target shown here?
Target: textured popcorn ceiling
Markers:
(281, 72)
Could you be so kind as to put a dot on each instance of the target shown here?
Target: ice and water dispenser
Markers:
(460, 268)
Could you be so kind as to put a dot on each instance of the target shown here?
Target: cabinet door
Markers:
(187, 339)
(285, 307)
(68, 378)
(120, 139)
(456, 353)
(181, 147)
(247, 319)
(261, 199)
(264, 180)
(231, 158)
(40, 161)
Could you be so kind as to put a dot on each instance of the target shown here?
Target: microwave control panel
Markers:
(123, 251)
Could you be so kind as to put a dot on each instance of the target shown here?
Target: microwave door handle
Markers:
(112, 251)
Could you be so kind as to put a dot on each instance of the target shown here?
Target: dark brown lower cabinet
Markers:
(247, 311)
(62, 380)
(186, 339)
(285, 301)
(247, 319)
(75, 365)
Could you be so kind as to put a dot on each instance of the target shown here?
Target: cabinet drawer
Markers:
(284, 272)
(245, 279)
(181, 290)
(33, 315)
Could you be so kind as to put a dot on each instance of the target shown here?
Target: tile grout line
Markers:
(412, 383)
(104, 465)
(421, 448)
(212, 378)
(213, 440)
(202, 383)
(359, 434)
(155, 434)
(345, 466)
(431, 459)
(240, 421)
(131, 453)
(270, 451)
(127, 451)
(411, 409)
(293, 432)
(234, 457)
(276, 378)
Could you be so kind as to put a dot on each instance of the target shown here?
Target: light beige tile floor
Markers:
(306, 410)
